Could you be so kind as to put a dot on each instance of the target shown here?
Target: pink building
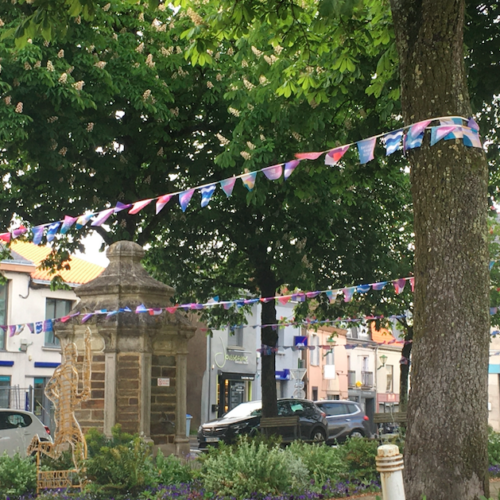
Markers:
(326, 364)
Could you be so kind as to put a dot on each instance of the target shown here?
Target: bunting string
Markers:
(405, 138)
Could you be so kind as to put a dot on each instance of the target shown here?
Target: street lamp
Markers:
(383, 360)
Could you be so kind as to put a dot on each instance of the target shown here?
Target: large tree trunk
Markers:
(269, 337)
(446, 447)
(405, 369)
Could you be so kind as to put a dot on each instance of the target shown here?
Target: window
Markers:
(315, 351)
(3, 314)
(55, 308)
(4, 391)
(235, 337)
(333, 410)
(390, 378)
(14, 420)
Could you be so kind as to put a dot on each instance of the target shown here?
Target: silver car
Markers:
(345, 419)
(17, 428)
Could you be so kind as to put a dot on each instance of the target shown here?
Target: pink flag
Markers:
(418, 128)
(227, 186)
(5, 237)
(333, 156)
(273, 173)
(399, 285)
(308, 156)
(162, 201)
(171, 310)
(102, 217)
(412, 283)
(19, 231)
(139, 205)
(290, 166)
(284, 299)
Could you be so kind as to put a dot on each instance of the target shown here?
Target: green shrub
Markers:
(123, 465)
(17, 476)
(359, 457)
(252, 467)
(493, 447)
(322, 462)
(170, 470)
(97, 440)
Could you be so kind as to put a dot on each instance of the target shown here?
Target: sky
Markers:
(92, 245)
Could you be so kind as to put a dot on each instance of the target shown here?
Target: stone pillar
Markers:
(181, 440)
(138, 360)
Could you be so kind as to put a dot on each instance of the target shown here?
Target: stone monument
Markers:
(138, 360)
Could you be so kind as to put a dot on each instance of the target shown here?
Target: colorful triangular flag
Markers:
(52, 231)
(227, 185)
(162, 201)
(206, 194)
(121, 206)
(366, 150)
(37, 234)
(348, 293)
(102, 217)
(68, 222)
(455, 134)
(273, 173)
(334, 155)
(392, 141)
(290, 166)
(139, 205)
(440, 132)
(249, 180)
(185, 198)
(83, 219)
(308, 156)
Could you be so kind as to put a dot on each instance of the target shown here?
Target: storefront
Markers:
(232, 360)
(233, 389)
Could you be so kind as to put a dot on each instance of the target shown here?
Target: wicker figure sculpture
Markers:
(63, 390)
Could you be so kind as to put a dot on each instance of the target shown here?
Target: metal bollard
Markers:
(390, 465)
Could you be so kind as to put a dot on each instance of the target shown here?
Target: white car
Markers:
(17, 428)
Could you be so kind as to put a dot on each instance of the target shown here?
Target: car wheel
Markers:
(318, 435)
(357, 434)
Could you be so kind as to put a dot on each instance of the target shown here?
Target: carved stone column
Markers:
(138, 359)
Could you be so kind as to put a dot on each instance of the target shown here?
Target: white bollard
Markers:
(390, 466)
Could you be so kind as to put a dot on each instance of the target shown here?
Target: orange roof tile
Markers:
(383, 336)
(80, 271)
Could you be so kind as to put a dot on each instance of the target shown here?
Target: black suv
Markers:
(345, 419)
(245, 419)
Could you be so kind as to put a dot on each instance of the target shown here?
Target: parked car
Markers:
(244, 419)
(345, 419)
(17, 428)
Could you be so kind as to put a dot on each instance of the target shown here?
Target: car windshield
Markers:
(243, 410)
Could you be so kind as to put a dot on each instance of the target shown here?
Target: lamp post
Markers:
(383, 360)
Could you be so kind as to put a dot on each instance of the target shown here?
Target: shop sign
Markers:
(237, 358)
